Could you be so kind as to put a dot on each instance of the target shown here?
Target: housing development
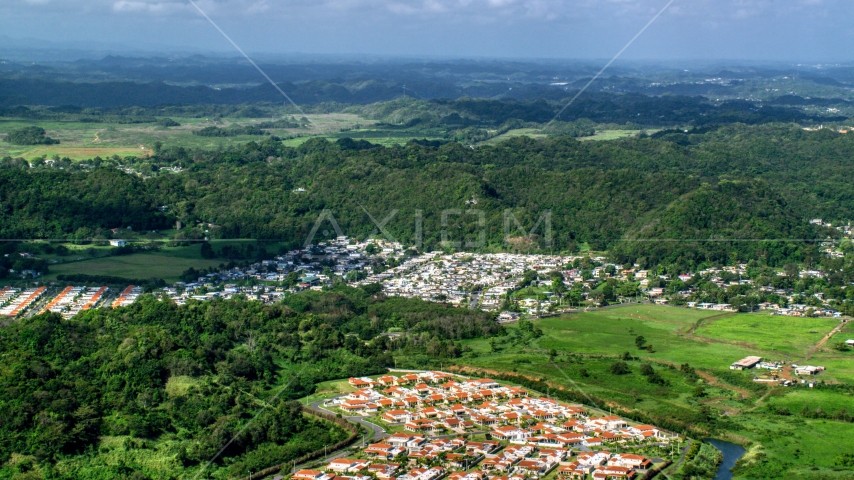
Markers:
(510, 283)
(67, 302)
(445, 426)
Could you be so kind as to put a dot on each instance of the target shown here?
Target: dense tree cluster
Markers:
(196, 373)
(231, 131)
(30, 136)
(688, 199)
(53, 203)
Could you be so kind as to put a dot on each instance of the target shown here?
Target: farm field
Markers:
(583, 347)
(790, 337)
(610, 135)
(613, 331)
(85, 140)
(168, 263)
(82, 140)
(519, 132)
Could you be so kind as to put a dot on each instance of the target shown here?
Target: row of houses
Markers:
(72, 300)
(342, 255)
(604, 465)
(128, 296)
(19, 301)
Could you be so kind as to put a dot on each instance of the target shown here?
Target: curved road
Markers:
(379, 432)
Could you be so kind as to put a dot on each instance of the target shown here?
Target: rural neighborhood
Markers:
(445, 426)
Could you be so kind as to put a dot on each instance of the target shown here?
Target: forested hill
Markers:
(157, 390)
(539, 104)
(735, 182)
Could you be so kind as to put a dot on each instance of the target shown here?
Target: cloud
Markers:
(139, 6)
(462, 27)
(507, 10)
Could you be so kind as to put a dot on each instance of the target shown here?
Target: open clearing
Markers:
(616, 134)
(786, 337)
(588, 343)
(519, 132)
(168, 263)
(83, 140)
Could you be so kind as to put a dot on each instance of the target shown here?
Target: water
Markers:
(732, 453)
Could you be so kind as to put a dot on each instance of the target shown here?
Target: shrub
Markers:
(620, 368)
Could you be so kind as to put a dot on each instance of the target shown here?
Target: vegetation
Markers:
(154, 390)
(685, 384)
(232, 131)
(701, 462)
(183, 381)
(712, 205)
(29, 136)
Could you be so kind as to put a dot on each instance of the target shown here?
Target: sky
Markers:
(771, 30)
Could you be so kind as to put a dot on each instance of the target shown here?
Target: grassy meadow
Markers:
(167, 263)
(587, 345)
(610, 135)
(82, 140)
(519, 132)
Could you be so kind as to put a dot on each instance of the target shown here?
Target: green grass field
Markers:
(613, 331)
(587, 344)
(83, 140)
(329, 389)
(80, 141)
(168, 263)
(610, 135)
(783, 336)
(519, 132)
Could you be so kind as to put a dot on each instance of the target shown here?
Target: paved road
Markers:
(39, 304)
(379, 432)
(475, 300)
(676, 465)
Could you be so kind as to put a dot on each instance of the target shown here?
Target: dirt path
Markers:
(824, 340)
(707, 320)
(758, 403)
(716, 382)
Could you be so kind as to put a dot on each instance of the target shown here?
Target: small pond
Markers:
(732, 453)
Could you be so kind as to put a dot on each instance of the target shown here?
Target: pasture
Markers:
(83, 140)
(167, 263)
(602, 135)
(614, 331)
(585, 346)
(519, 132)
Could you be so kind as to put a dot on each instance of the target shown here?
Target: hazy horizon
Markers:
(701, 30)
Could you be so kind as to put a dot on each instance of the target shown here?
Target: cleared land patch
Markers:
(167, 263)
(587, 344)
